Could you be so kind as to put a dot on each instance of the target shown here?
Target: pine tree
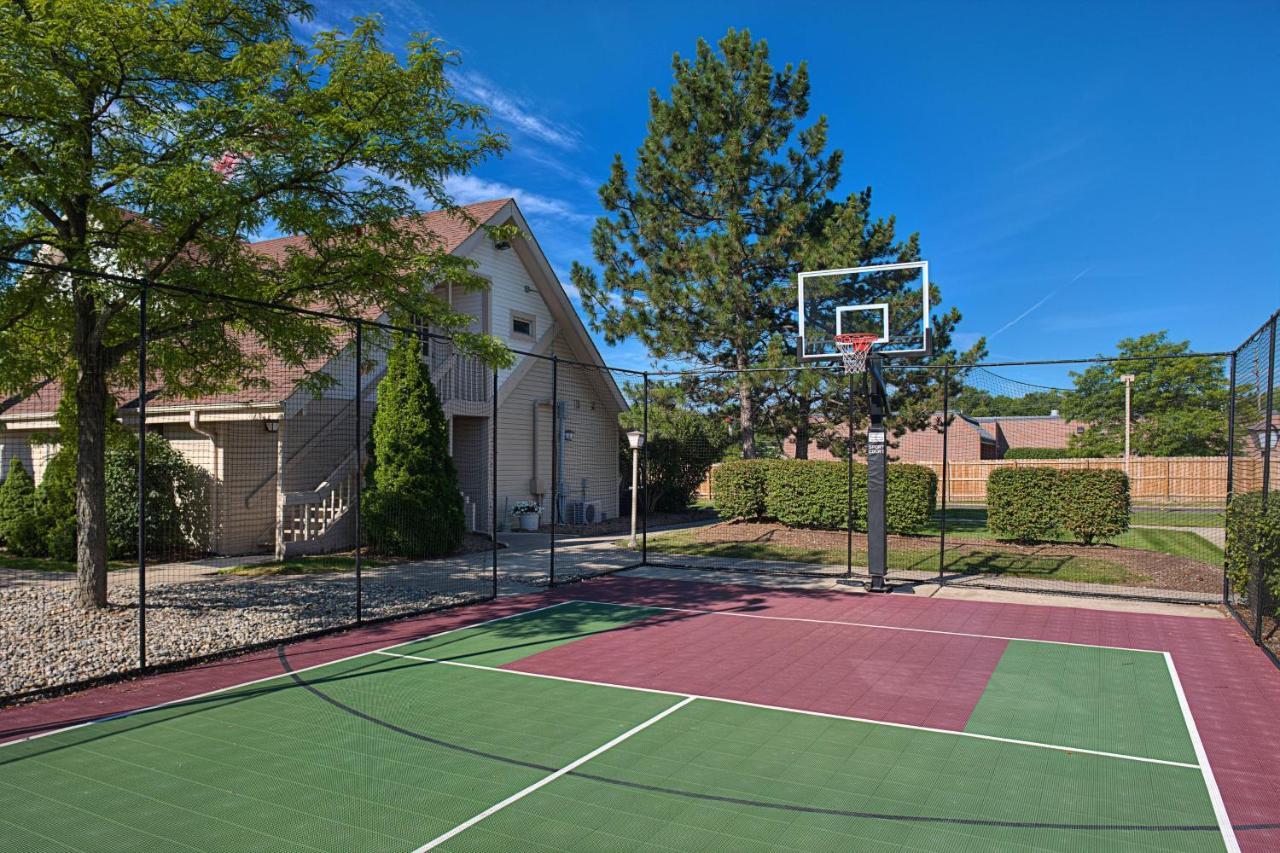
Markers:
(728, 200)
(411, 503)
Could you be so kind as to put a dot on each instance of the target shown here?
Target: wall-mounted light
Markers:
(568, 435)
(271, 426)
(502, 245)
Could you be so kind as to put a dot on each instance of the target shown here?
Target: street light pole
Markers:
(1127, 379)
(636, 439)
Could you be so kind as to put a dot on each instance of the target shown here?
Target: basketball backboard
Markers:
(890, 300)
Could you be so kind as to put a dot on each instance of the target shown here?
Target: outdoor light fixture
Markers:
(568, 435)
(271, 426)
(635, 438)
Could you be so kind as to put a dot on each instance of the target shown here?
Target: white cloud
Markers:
(516, 112)
(466, 189)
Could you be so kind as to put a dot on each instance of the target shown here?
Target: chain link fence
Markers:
(353, 470)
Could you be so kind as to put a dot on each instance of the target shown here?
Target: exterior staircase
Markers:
(322, 519)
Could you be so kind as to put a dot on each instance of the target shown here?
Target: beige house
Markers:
(281, 456)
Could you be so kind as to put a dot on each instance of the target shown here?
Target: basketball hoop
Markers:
(854, 349)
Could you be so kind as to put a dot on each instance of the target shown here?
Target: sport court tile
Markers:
(918, 679)
(697, 781)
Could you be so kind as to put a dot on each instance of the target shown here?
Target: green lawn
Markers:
(48, 564)
(971, 523)
(1178, 517)
(323, 564)
(1063, 567)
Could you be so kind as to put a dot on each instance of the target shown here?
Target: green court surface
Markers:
(383, 752)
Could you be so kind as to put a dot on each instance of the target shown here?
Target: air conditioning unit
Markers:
(584, 512)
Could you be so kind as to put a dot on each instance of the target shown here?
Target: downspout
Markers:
(193, 420)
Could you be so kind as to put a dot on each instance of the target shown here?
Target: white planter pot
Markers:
(528, 520)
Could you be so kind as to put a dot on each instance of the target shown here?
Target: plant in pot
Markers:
(527, 514)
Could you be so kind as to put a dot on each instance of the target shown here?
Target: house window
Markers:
(521, 325)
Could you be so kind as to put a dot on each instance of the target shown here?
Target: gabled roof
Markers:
(453, 233)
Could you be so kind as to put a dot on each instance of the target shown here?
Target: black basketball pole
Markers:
(877, 475)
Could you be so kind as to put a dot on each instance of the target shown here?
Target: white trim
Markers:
(1215, 796)
(925, 318)
(882, 307)
(869, 625)
(995, 738)
(253, 681)
(548, 779)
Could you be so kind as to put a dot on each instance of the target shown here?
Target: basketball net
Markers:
(854, 349)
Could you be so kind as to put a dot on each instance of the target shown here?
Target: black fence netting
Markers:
(1252, 587)
(300, 472)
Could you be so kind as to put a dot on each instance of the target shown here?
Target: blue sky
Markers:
(1079, 172)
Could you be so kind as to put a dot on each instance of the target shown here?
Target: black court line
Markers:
(763, 804)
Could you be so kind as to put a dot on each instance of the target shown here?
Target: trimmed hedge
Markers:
(1254, 536)
(1095, 503)
(1036, 503)
(804, 493)
(1022, 503)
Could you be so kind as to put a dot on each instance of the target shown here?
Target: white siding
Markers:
(512, 290)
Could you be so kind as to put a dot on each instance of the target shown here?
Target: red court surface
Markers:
(1232, 688)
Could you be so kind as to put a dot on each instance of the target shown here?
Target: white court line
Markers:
(741, 615)
(908, 726)
(548, 779)
(1215, 796)
(251, 682)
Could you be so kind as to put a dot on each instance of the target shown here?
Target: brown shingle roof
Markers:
(280, 380)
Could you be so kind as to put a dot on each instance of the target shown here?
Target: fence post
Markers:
(1267, 429)
(555, 461)
(142, 478)
(359, 477)
(643, 486)
(493, 481)
(946, 406)
(1231, 456)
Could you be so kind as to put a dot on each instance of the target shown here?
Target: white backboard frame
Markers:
(925, 344)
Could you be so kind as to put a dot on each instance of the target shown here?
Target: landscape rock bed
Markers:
(47, 639)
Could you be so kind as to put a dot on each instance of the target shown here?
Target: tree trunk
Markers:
(747, 418)
(802, 432)
(91, 428)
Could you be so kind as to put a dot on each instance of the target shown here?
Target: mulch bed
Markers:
(1154, 569)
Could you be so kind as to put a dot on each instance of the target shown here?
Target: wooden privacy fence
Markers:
(1176, 479)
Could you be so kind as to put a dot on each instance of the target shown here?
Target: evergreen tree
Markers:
(728, 200)
(411, 502)
(17, 496)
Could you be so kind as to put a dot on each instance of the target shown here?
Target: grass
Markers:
(1060, 567)
(48, 564)
(324, 564)
(971, 523)
(1179, 517)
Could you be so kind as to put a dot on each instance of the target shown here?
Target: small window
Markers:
(1079, 430)
(522, 325)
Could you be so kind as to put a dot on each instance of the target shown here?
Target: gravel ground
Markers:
(46, 639)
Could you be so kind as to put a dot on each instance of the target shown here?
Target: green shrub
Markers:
(1093, 504)
(26, 535)
(678, 459)
(911, 497)
(1023, 503)
(804, 493)
(1253, 540)
(177, 503)
(1038, 453)
(56, 503)
(800, 493)
(17, 496)
(737, 488)
(412, 505)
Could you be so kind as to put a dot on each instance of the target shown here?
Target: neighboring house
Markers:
(970, 439)
(247, 438)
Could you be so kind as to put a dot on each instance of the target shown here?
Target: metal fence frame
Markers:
(1252, 620)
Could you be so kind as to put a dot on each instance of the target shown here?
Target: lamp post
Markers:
(1127, 379)
(636, 439)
